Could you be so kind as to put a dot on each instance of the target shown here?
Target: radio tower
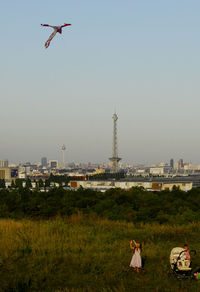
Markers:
(115, 159)
(63, 155)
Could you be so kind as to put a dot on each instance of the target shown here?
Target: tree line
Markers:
(133, 205)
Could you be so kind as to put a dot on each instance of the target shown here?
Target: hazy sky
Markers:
(139, 57)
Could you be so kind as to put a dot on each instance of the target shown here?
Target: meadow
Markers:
(86, 253)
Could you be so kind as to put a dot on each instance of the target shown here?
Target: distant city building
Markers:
(4, 163)
(157, 170)
(188, 166)
(140, 171)
(44, 161)
(24, 171)
(72, 164)
(5, 173)
(180, 164)
(14, 172)
(172, 163)
(161, 164)
(53, 163)
(148, 185)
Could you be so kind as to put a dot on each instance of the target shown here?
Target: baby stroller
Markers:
(181, 267)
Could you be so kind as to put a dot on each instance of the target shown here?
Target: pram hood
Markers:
(178, 260)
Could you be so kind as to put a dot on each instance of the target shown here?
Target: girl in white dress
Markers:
(136, 261)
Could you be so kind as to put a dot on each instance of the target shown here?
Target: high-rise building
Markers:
(4, 163)
(115, 159)
(53, 163)
(180, 164)
(44, 161)
(172, 163)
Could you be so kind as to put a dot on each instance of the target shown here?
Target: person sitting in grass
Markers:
(136, 261)
(187, 253)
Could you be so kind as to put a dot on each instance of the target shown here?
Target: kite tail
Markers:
(47, 44)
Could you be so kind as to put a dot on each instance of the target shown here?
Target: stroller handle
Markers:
(191, 251)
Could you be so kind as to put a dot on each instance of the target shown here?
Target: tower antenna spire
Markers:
(63, 156)
(115, 159)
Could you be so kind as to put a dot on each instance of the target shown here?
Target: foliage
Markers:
(134, 205)
(28, 183)
(2, 184)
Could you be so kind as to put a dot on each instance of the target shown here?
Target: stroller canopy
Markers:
(178, 260)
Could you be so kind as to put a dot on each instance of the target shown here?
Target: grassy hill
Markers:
(86, 253)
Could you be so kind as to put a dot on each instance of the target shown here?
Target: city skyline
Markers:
(45, 161)
(141, 58)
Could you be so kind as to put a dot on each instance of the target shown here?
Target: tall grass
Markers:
(80, 254)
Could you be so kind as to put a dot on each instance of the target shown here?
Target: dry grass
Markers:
(80, 254)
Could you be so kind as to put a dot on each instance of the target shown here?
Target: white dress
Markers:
(136, 261)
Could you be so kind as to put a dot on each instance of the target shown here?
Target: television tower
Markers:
(115, 159)
(63, 155)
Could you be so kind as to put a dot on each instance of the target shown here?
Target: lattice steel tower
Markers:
(115, 159)
(63, 155)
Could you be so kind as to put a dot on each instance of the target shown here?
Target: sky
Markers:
(139, 58)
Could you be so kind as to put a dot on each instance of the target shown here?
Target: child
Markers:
(136, 261)
(187, 253)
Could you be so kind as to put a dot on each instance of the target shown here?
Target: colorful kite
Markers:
(56, 29)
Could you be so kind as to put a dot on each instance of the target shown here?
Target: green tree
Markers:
(28, 183)
(19, 183)
(40, 183)
(47, 183)
(13, 184)
(2, 184)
